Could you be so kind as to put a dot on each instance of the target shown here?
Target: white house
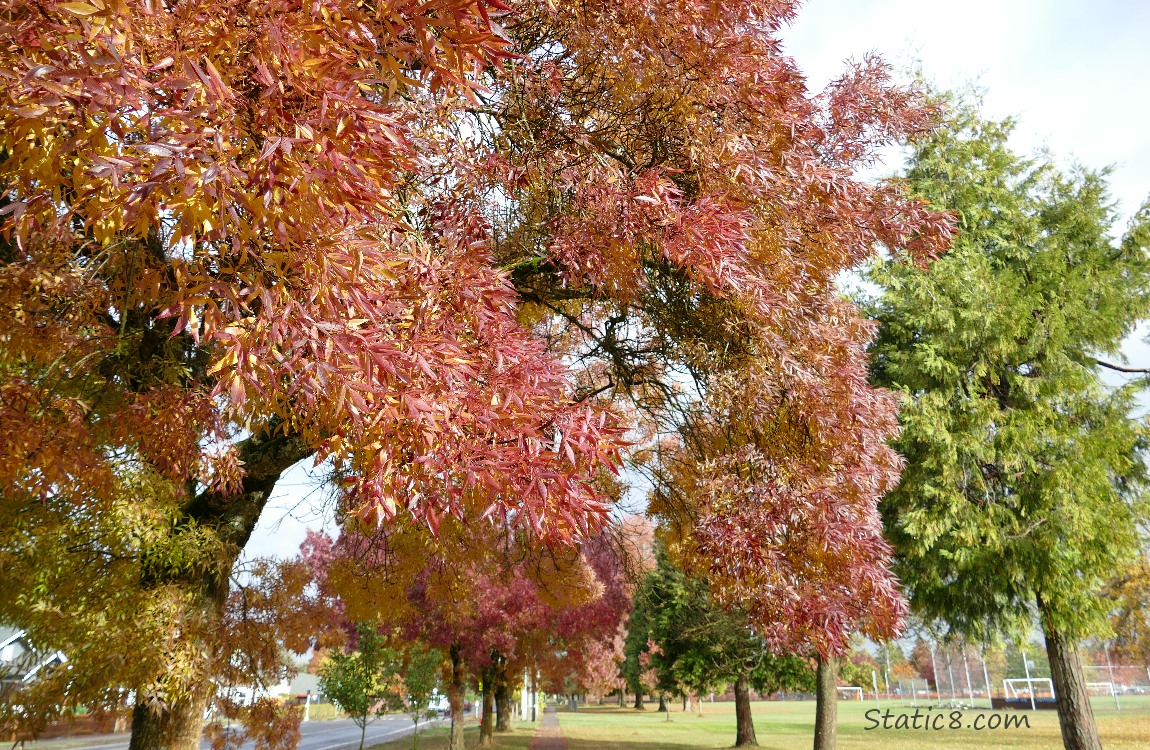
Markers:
(20, 661)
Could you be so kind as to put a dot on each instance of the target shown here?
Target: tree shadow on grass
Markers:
(765, 743)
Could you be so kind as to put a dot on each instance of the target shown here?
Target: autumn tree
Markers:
(922, 659)
(215, 272)
(728, 193)
(1129, 594)
(1025, 481)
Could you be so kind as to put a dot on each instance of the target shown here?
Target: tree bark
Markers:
(745, 725)
(455, 699)
(487, 724)
(502, 697)
(662, 704)
(232, 519)
(178, 727)
(639, 699)
(1075, 715)
(827, 705)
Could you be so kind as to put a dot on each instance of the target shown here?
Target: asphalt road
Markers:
(337, 734)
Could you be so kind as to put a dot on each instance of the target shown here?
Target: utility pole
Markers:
(966, 669)
(934, 669)
(1029, 684)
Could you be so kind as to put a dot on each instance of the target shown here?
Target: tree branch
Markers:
(1119, 368)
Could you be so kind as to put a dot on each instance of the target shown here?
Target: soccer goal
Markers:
(1100, 688)
(850, 694)
(1022, 687)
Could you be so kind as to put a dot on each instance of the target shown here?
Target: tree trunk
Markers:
(827, 705)
(622, 698)
(1075, 715)
(639, 699)
(455, 699)
(177, 728)
(487, 724)
(662, 704)
(686, 703)
(745, 725)
(502, 698)
(231, 519)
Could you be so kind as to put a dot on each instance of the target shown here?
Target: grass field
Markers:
(790, 726)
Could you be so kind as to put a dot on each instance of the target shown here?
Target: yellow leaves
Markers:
(82, 9)
(227, 361)
(31, 111)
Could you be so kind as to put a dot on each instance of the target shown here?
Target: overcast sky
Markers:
(1076, 74)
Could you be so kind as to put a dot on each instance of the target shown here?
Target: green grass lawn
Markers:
(790, 726)
(436, 738)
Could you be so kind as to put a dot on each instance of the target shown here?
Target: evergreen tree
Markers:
(635, 645)
(698, 646)
(1025, 479)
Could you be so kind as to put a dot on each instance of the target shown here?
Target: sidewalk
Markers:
(549, 736)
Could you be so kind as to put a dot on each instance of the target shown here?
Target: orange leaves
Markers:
(230, 202)
(691, 205)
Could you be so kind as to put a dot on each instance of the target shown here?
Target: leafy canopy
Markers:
(1025, 478)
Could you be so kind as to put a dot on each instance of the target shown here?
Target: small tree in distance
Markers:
(364, 683)
(420, 680)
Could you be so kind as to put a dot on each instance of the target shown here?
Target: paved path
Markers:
(336, 734)
(548, 736)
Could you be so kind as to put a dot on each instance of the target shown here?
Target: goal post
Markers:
(1101, 688)
(1025, 687)
(850, 693)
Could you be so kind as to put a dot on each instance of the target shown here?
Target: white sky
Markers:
(1076, 74)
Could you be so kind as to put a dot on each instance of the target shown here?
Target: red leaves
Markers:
(694, 150)
(257, 162)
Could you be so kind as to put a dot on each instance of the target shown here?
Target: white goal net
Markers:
(1022, 687)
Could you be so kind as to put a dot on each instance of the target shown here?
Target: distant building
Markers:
(20, 660)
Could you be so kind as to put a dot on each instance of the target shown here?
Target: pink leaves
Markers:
(258, 163)
(617, 222)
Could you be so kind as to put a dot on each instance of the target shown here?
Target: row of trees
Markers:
(454, 251)
(452, 259)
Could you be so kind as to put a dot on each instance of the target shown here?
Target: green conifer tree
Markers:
(698, 646)
(1025, 478)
